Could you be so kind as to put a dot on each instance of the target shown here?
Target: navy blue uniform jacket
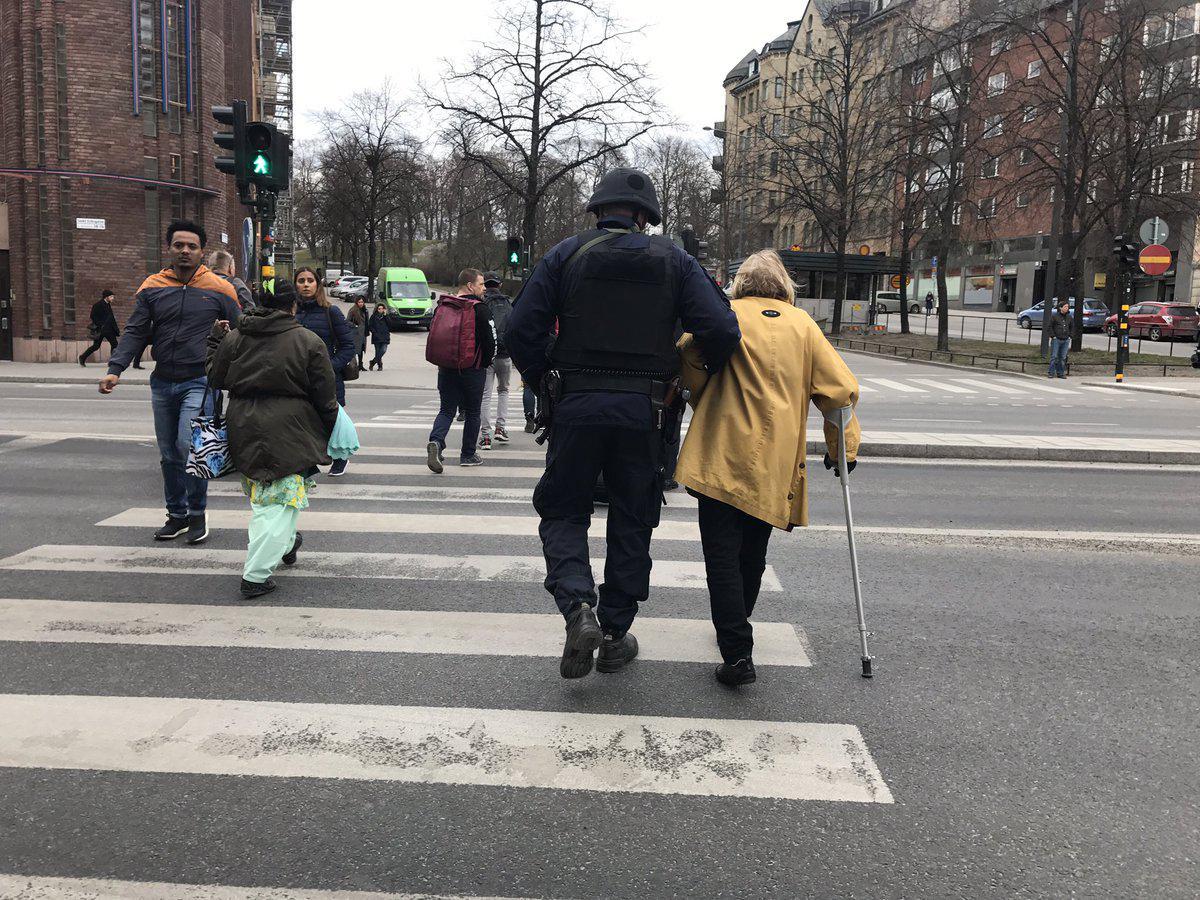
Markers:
(703, 310)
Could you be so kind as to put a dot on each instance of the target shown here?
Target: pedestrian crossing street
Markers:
(453, 538)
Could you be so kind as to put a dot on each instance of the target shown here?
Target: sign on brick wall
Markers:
(91, 224)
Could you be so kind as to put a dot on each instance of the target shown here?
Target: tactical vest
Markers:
(618, 309)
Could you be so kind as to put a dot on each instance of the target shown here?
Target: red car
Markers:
(1159, 321)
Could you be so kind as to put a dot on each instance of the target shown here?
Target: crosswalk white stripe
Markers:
(502, 569)
(452, 469)
(866, 389)
(442, 745)
(363, 630)
(49, 887)
(990, 386)
(895, 385)
(500, 453)
(946, 386)
(1032, 385)
(390, 523)
(340, 490)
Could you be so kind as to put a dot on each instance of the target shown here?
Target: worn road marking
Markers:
(393, 523)
(947, 386)
(442, 745)
(43, 887)
(335, 490)
(990, 386)
(363, 630)
(896, 385)
(318, 564)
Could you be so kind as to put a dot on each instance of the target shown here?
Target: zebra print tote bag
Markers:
(209, 455)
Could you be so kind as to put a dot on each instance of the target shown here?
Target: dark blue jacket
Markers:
(381, 334)
(703, 310)
(339, 343)
(176, 318)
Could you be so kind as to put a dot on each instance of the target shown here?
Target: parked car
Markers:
(355, 290)
(333, 274)
(1159, 321)
(889, 302)
(345, 283)
(1094, 314)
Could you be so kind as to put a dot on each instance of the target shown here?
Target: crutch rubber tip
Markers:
(867, 672)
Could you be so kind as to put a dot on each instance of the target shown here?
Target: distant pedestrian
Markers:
(381, 334)
(221, 262)
(103, 327)
(175, 310)
(282, 410)
(1061, 328)
(744, 452)
(318, 314)
(929, 304)
(359, 319)
(499, 372)
(462, 344)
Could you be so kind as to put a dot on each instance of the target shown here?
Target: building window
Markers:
(999, 45)
(997, 83)
(1022, 201)
(1035, 69)
(60, 95)
(956, 214)
(66, 234)
(153, 252)
(1025, 157)
(991, 168)
(39, 97)
(778, 87)
(993, 126)
(918, 75)
(1029, 113)
(177, 75)
(987, 208)
(176, 165)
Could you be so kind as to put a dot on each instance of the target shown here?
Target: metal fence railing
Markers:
(919, 323)
(999, 363)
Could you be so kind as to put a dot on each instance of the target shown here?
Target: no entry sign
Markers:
(1155, 259)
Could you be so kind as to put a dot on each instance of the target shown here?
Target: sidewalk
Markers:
(1173, 387)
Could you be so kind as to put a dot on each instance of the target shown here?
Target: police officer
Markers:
(616, 295)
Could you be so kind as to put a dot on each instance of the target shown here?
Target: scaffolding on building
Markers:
(273, 101)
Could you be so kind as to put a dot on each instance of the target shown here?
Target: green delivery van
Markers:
(407, 296)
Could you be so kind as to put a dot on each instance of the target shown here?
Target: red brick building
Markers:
(105, 136)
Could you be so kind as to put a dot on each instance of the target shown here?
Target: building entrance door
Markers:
(1008, 293)
(6, 316)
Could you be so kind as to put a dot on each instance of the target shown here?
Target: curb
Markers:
(1038, 454)
(1143, 388)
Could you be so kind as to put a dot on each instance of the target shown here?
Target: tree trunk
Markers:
(905, 261)
(839, 282)
(943, 312)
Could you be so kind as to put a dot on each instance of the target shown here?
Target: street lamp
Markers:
(720, 134)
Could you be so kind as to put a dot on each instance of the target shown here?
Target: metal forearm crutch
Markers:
(841, 418)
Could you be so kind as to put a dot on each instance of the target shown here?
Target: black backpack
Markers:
(501, 308)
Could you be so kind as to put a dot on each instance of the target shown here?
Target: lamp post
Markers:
(721, 134)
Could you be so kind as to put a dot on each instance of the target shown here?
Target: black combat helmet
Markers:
(627, 187)
(492, 278)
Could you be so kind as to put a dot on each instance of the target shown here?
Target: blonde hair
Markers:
(763, 275)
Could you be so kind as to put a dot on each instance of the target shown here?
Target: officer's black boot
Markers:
(583, 637)
(615, 653)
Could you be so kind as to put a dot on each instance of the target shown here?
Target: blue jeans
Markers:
(175, 404)
(1059, 348)
(459, 390)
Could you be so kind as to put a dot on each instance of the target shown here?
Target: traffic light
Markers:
(233, 141)
(268, 156)
(694, 247)
(1126, 253)
(513, 252)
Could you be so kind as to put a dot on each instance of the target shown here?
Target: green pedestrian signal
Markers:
(513, 244)
(514, 258)
(262, 165)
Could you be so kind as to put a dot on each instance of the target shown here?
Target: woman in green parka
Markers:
(282, 408)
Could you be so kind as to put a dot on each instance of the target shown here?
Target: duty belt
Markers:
(655, 387)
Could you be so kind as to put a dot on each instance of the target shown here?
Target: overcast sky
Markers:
(342, 46)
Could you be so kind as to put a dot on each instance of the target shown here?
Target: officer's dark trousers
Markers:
(735, 557)
(629, 460)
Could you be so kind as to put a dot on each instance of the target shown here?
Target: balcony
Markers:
(718, 163)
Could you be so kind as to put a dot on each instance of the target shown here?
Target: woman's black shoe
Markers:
(734, 674)
(289, 558)
(252, 589)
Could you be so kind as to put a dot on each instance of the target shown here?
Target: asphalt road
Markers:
(993, 326)
(1032, 730)
(898, 396)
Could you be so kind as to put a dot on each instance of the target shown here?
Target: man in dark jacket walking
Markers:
(282, 409)
(1060, 339)
(103, 327)
(463, 388)
(175, 310)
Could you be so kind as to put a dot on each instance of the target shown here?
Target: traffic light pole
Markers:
(1126, 290)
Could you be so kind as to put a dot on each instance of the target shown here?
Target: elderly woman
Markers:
(744, 456)
(282, 409)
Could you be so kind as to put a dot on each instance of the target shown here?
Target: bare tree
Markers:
(683, 177)
(828, 157)
(554, 92)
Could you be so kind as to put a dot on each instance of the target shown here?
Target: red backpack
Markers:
(452, 343)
